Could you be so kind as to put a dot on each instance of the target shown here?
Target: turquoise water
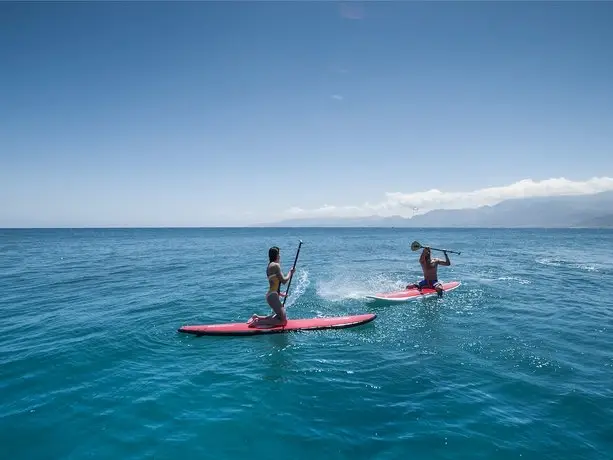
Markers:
(516, 363)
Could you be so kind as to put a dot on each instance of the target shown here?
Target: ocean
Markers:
(515, 363)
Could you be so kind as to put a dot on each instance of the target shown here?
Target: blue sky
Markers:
(204, 113)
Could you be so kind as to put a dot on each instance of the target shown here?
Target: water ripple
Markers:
(516, 363)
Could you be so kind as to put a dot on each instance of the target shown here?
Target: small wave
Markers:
(514, 278)
(549, 262)
(589, 268)
(552, 262)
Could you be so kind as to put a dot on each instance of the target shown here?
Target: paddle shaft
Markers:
(446, 250)
(416, 245)
(289, 283)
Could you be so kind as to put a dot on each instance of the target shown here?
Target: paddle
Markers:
(289, 283)
(415, 246)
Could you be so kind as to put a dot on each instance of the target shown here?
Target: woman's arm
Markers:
(288, 276)
(276, 269)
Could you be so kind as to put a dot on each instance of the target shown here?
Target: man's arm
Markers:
(445, 262)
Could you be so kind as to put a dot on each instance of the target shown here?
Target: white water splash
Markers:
(298, 287)
(345, 287)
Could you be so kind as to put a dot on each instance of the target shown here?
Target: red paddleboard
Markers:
(336, 322)
(413, 293)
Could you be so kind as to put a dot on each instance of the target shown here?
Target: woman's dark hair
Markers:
(273, 253)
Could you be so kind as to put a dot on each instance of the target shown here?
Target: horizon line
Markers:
(330, 227)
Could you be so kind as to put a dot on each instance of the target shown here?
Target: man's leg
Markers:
(419, 286)
(423, 284)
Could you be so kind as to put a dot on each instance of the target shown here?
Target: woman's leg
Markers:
(278, 318)
(256, 317)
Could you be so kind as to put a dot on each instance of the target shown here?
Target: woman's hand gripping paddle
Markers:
(289, 283)
(416, 246)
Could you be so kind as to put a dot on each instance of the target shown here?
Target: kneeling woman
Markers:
(273, 296)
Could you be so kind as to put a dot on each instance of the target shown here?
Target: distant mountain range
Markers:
(551, 212)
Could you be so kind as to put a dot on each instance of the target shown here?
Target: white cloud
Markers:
(407, 204)
(326, 211)
(338, 97)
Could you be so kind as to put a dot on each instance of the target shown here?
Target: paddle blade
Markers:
(415, 246)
